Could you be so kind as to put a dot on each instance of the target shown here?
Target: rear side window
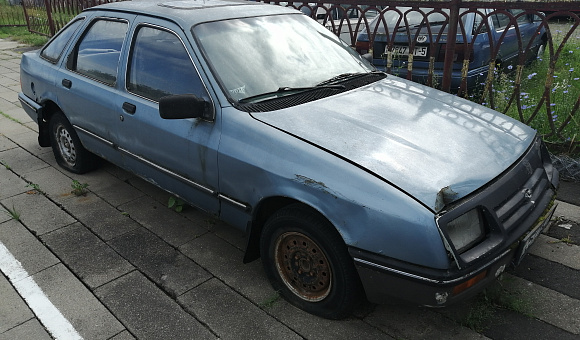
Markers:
(53, 50)
(98, 52)
(500, 21)
(159, 65)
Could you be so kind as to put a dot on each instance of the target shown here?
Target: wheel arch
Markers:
(49, 108)
(263, 211)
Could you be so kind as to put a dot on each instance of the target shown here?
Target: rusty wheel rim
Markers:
(303, 266)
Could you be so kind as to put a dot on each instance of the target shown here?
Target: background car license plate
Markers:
(420, 51)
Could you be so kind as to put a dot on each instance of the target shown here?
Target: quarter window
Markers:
(97, 54)
(53, 50)
(161, 66)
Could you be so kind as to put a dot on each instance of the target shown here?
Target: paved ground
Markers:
(118, 264)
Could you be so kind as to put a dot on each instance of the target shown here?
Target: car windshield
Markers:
(252, 56)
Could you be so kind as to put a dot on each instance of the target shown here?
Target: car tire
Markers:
(540, 51)
(68, 150)
(307, 262)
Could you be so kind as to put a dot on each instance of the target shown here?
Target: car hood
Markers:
(434, 146)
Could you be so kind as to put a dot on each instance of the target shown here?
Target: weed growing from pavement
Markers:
(78, 188)
(567, 240)
(11, 118)
(5, 165)
(176, 204)
(13, 213)
(35, 187)
(269, 302)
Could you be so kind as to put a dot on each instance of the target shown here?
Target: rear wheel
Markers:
(67, 148)
(307, 261)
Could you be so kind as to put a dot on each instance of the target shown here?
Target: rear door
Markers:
(87, 83)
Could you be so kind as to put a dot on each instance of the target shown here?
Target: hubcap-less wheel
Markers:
(66, 145)
(303, 267)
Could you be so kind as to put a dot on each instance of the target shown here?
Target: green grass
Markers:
(22, 35)
(552, 113)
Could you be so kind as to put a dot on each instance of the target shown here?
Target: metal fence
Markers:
(543, 92)
(540, 86)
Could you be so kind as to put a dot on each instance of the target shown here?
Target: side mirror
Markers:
(182, 106)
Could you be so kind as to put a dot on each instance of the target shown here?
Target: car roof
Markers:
(190, 12)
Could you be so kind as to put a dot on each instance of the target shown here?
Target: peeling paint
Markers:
(445, 196)
(315, 184)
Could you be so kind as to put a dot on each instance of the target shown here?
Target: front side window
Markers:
(160, 66)
(53, 50)
(97, 54)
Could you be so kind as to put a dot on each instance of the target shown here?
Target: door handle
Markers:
(129, 108)
(66, 83)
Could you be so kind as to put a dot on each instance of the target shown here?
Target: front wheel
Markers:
(307, 261)
(67, 148)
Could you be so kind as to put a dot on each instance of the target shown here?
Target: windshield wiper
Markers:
(288, 90)
(423, 24)
(348, 76)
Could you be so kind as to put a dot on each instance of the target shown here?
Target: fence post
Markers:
(51, 26)
(450, 44)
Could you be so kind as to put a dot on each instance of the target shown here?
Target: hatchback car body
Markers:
(483, 36)
(344, 179)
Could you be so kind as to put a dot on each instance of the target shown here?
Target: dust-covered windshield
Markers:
(252, 56)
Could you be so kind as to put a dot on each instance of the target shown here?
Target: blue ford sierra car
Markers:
(348, 182)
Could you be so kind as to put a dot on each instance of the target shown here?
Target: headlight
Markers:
(466, 230)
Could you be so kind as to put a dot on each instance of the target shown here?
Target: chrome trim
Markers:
(234, 202)
(106, 141)
(169, 172)
(418, 277)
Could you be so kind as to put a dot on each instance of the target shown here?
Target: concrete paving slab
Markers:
(29, 140)
(31, 329)
(510, 325)
(160, 262)
(5, 143)
(552, 275)
(116, 192)
(410, 322)
(147, 312)
(9, 126)
(167, 224)
(150, 189)
(313, 327)
(547, 305)
(52, 182)
(10, 183)
(38, 213)
(13, 310)
(225, 262)
(556, 251)
(33, 255)
(77, 304)
(569, 211)
(104, 220)
(124, 335)
(92, 260)
(21, 161)
(230, 315)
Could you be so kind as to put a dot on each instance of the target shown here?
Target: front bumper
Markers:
(385, 280)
